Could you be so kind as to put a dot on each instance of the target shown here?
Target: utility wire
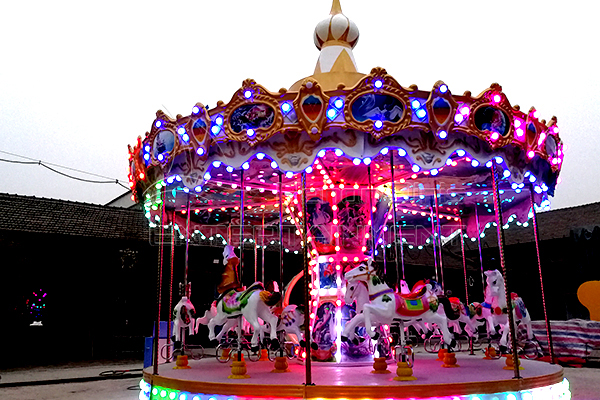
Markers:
(46, 164)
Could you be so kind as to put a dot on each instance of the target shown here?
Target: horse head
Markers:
(228, 253)
(436, 288)
(404, 289)
(361, 273)
(495, 283)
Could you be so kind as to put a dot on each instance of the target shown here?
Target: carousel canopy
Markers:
(363, 141)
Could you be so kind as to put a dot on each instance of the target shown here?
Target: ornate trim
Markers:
(435, 94)
(486, 99)
(390, 87)
(259, 95)
(312, 126)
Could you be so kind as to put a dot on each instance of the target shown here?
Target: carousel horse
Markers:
(183, 315)
(290, 321)
(494, 309)
(358, 292)
(387, 306)
(452, 308)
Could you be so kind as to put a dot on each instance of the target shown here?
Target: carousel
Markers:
(350, 170)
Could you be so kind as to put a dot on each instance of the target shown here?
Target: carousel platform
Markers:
(475, 379)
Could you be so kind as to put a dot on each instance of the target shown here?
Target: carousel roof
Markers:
(347, 131)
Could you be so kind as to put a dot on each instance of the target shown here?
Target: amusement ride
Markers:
(349, 169)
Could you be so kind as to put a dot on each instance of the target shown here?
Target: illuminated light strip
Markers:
(557, 391)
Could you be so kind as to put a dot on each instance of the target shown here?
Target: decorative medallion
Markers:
(378, 104)
(252, 115)
(162, 142)
(310, 108)
(441, 106)
(492, 117)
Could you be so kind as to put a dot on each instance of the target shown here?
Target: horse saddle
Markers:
(417, 292)
(412, 306)
(234, 302)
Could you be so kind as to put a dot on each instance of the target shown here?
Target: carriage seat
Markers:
(415, 294)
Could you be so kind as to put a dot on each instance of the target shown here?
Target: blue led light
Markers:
(170, 179)
(285, 107)
(474, 163)
(321, 153)
(434, 172)
(367, 161)
(195, 110)
(514, 186)
(250, 132)
(378, 83)
(260, 156)
(415, 104)
(308, 170)
(246, 165)
(178, 178)
(401, 152)
(339, 152)
(499, 160)
(443, 134)
(443, 89)
(331, 113)
(216, 164)
(207, 176)
(215, 129)
(229, 169)
(421, 113)
(384, 151)
(161, 157)
(181, 130)
(185, 137)
(416, 168)
(488, 164)
(248, 94)
(200, 151)
(460, 152)
(274, 165)
(158, 124)
(289, 174)
(146, 156)
(147, 148)
(339, 103)
(219, 120)
(378, 124)
(506, 173)
(356, 161)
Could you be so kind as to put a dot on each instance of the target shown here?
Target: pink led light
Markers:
(464, 111)
(495, 136)
(555, 130)
(530, 154)
(536, 114)
(496, 98)
(520, 132)
(458, 118)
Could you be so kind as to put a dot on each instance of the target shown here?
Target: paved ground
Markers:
(585, 382)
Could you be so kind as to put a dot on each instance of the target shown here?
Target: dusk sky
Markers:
(79, 81)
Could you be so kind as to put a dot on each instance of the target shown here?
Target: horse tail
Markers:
(451, 314)
(270, 299)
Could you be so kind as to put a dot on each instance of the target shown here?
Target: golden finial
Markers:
(336, 8)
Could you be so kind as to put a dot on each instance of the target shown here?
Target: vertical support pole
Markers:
(262, 248)
(499, 223)
(241, 266)
(439, 231)
(281, 231)
(433, 236)
(307, 337)
(537, 249)
(480, 252)
(255, 255)
(395, 232)
(462, 249)
(159, 285)
(187, 245)
(169, 333)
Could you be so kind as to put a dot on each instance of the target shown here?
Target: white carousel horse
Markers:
(386, 306)
(358, 292)
(183, 315)
(252, 303)
(290, 321)
(494, 309)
